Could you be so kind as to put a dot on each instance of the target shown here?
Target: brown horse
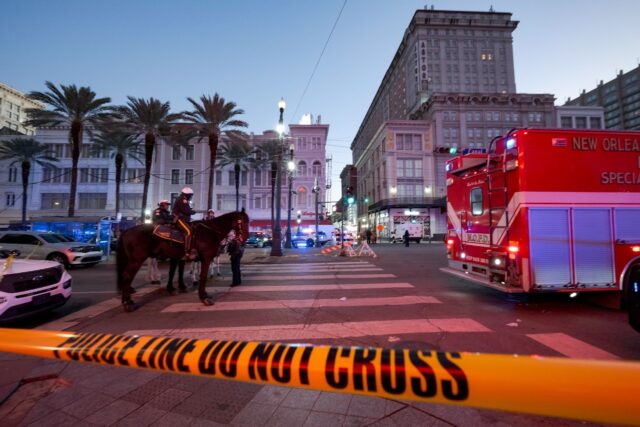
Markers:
(137, 244)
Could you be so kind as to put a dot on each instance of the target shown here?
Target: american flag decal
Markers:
(559, 142)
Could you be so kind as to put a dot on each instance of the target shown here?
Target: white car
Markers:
(28, 287)
(48, 246)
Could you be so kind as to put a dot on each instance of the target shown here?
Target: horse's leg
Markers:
(127, 277)
(216, 262)
(172, 271)
(195, 272)
(181, 285)
(202, 284)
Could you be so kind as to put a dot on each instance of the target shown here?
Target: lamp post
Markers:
(316, 191)
(291, 167)
(276, 246)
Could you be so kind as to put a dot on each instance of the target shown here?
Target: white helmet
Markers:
(164, 202)
(187, 190)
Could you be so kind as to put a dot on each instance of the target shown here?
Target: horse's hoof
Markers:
(207, 301)
(129, 306)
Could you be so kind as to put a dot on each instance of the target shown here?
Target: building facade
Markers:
(620, 99)
(449, 88)
(13, 104)
(174, 167)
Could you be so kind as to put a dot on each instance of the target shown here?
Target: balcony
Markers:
(408, 202)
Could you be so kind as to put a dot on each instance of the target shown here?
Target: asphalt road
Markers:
(513, 319)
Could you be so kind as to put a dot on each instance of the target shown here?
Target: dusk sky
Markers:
(254, 52)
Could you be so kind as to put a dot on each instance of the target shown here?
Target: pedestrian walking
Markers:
(235, 251)
(405, 236)
(367, 233)
(374, 237)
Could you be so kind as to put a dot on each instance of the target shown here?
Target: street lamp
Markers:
(316, 191)
(291, 166)
(276, 246)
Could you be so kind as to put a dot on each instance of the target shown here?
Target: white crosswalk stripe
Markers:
(301, 303)
(326, 286)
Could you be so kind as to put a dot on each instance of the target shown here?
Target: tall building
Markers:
(450, 87)
(620, 98)
(174, 167)
(13, 104)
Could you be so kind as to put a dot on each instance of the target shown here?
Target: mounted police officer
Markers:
(182, 212)
(162, 215)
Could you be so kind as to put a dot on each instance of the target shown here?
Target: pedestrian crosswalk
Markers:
(302, 302)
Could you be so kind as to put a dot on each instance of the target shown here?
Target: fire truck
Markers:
(549, 210)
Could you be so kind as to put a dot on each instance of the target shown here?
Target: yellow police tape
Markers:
(604, 391)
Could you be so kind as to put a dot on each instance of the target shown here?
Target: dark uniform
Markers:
(182, 210)
(235, 251)
(161, 215)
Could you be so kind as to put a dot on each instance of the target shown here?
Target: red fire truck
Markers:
(549, 210)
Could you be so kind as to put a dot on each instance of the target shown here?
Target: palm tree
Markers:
(74, 107)
(25, 151)
(236, 152)
(213, 117)
(268, 152)
(119, 145)
(151, 118)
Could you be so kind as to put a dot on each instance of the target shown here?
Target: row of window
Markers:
(580, 122)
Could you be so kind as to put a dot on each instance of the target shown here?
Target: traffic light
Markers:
(350, 197)
(299, 217)
(453, 150)
(366, 199)
(413, 220)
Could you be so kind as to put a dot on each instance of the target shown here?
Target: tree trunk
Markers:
(236, 171)
(119, 161)
(213, 151)
(76, 143)
(26, 169)
(149, 144)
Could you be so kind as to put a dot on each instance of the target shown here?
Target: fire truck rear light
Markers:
(635, 249)
(513, 249)
(450, 242)
(497, 261)
(511, 143)
(511, 164)
(463, 255)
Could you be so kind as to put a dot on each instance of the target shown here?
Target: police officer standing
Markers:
(182, 212)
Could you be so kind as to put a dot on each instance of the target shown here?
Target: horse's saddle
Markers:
(168, 233)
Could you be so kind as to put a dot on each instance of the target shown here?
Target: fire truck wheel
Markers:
(632, 293)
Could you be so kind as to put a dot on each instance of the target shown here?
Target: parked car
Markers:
(258, 239)
(46, 246)
(28, 287)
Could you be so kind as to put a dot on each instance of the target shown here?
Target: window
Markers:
(409, 168)
(188, 176)
(257, 202)
(10, 199)
(218, 177)
(475, 198)
(131, 201)
(301, 197)
(176, 154)
(54, 200)
(596, 123)
(190, 152)
(408, 142)
(243, 177)
(13, 174)
(565, 122)
(302, 168)
(232, 178)
(316, 168)
(410, 190)
(581, 122)
(316, 143)
(175, 176)
(257, 177)
(92, 200)
(134, 176)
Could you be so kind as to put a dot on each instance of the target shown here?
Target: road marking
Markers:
(320, 276)
(301, 303)
(301, 332)
(282, 288)
(291, 264)
(314, 269)
(572, 347)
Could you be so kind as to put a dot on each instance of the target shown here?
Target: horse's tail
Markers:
(121, 260)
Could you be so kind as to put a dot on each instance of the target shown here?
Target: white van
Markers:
(28, 287)
(416, 232)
